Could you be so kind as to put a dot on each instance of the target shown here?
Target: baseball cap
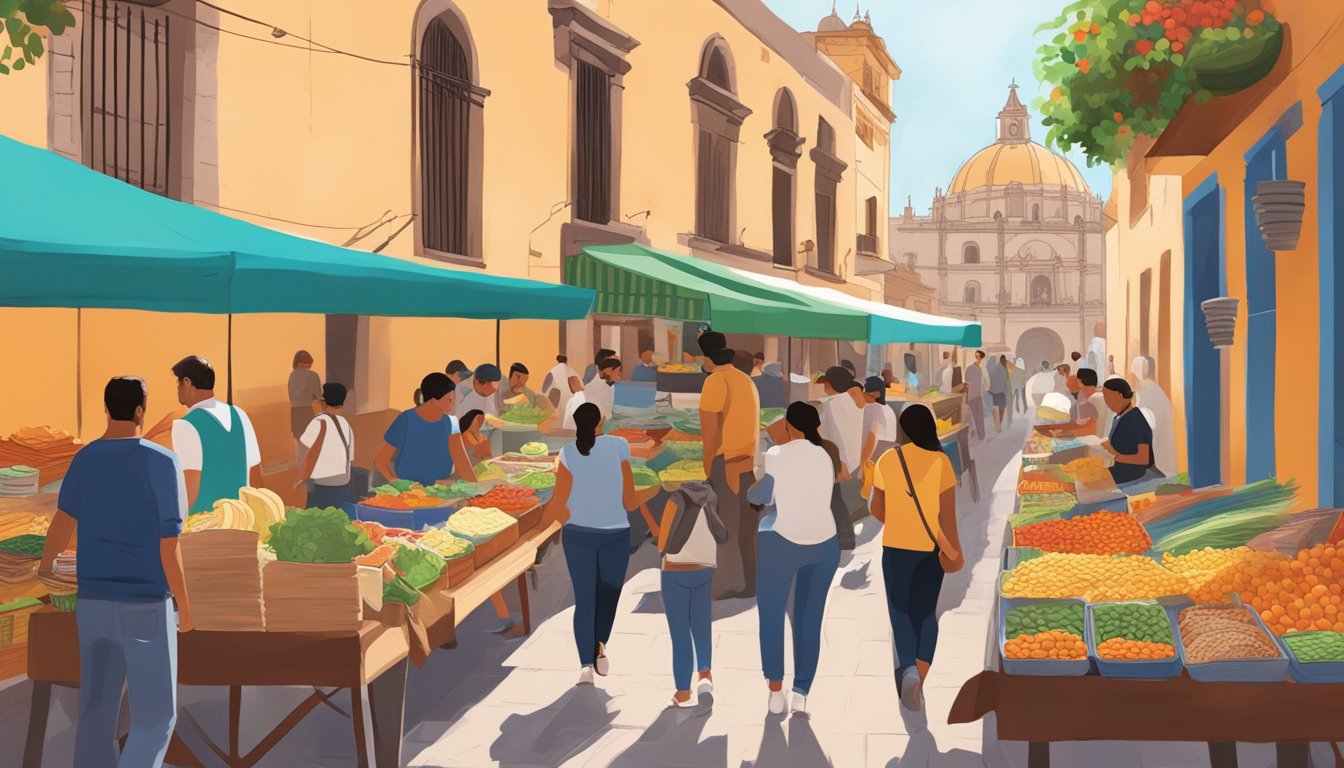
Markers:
(487, 372)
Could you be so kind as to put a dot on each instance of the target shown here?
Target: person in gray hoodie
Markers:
(689, 537)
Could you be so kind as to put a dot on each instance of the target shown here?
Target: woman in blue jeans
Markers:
(594, 491)
(689, 537)
(797, 548)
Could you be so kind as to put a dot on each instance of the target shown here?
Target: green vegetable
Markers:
(18, 470)
(525, 414)
(316, 535)
(19, 603)
(460, 489)
(398, 590)
(421, 567)
(644, 477)
(685, 450)
(769, 415)
(1043, 617)
(1316, 647)
(1132, 621)
(1224, 521)
(24, 545)
(536, 479)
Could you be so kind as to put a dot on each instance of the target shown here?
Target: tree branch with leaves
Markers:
(23, 23)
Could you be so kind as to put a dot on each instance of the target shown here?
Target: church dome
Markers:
(832, 23)
(1016, 158)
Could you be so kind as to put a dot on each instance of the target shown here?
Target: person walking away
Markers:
(424, 444)
(329, 452)
(757, 365)
(646, 370)
(214, 441)
(126, 497)
(594, 493)
(842, 425)
(943, 378)
(730, 424)
(1017, 381)
(799, 552)
(561, 383)
(1152, 399)
(879, 428)
(688, 538)
(998, 389)
(1039, 385)
(770, 387)
(915, 497)
(1131, 438)
(305, 391)
(482, 394)
(975, 393)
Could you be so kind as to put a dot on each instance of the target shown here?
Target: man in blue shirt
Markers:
(127, 497)
(424, 444)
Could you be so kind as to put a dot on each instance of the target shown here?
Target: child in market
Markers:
(688, 537)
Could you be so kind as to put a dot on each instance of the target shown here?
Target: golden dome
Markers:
(1025, 162)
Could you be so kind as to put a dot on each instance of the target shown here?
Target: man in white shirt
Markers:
(214, 441)
(329, 444)
(480, 396)
(600, 391)
(842, 424)
(944, 379)
(561, 383)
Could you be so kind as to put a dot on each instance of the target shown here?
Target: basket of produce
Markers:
(1043, 638)
(1227, 644)
(62, 584)
(491, 530)
(1100, 533)
(1094, 578)
(456, 552)
(1135, 641)
(524, 417)
(223, 574)
(1315, 657)
(313, 584)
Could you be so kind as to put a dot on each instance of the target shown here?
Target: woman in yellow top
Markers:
(915, 498)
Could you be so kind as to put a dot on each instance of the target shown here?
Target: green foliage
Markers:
(420, 566)
(1121, 68)
(22, 25)
(316, 535)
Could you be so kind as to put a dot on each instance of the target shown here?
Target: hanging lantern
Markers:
(1279, 206)
(1220, 319)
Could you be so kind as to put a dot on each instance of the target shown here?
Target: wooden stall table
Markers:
(370, 661)
(27, 514)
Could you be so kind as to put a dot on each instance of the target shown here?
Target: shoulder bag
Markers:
(344, 477)
(949, 565)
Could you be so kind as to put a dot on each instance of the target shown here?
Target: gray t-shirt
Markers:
(975, 382)
(998, 379)
(596, 498)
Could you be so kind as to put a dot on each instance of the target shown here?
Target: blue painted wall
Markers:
(1330, 200)
(1204, 279)
(1267, 160)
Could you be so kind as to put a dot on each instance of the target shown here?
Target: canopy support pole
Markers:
(788, 372)
(79, 372)
(230, 358)
(498, 323)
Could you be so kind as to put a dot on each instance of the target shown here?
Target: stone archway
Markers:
(1040, 344)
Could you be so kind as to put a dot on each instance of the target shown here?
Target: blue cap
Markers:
(487, 372)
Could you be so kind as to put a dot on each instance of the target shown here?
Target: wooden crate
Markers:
(495, 547)
(528, 519)
(460, 569)
(311, 597)
(223, 575)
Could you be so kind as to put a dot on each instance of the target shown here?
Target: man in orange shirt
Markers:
(730, 422)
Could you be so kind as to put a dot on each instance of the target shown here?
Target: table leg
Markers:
(37, 724)
(361, 718)
(1038, 754)
(1223, 754)
(1293, 754)
(235, 718)
(523, 603)
(387, 702)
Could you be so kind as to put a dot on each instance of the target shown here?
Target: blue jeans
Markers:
(779, 562)
(133, 644)
(686, 597)
(913, 581)
(329, 495)
(597, 560)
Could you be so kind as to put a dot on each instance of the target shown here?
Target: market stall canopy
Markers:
(73, 237)
(635, 280)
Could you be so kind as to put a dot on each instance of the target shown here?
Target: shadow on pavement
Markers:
(675, 732)
(798, 749)
(553, 734)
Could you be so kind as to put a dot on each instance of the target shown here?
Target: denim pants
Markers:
(781, 563)
(329, 495)
(133, 644)
(913, 580)
(597, 560)
(686, 597)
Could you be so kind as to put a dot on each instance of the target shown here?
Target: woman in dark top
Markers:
(1131, 439)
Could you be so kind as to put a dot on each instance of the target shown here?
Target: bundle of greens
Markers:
(318, 535)
(420, 566)
(1226, 521)
(525, 414)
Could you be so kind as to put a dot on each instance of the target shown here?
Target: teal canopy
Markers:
(73, 237)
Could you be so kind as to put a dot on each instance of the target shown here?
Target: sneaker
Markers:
(911, 689)
(704, 685)
(799, 704)
(602, 665)
(777, 702)
(689, 703)
(586, 676)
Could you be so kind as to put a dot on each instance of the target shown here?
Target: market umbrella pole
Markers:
(230, 358)
(79, 372)
(498, 323)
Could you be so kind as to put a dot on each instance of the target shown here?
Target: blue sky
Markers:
(956, 58)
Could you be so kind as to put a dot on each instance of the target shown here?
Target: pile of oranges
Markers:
(1296, 594)
(1100, 533)
(1120, 649)
(1096, 578)
(1054, 644)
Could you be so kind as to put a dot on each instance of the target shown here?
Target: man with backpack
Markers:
(329, 445)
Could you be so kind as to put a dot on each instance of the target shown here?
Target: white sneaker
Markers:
(705, 685)
(799, 705)
(586, 676)
(912, 693)
(777, 702)
(602, 665)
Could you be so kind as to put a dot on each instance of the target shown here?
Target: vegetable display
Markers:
(1100, 533)
(478, 524)
(525, 414)
(448, 546)
(534, 449)
(26, 545)
(1062, 646)
(685, 471)
(318, 535)
(1222, 633)
(1133, 621)
(1316, 647)
(1095, 578)
(644, 477)
(536, 479)
(421, 567)
(1043, 617)
(1224, 521)
(684, 449)
(508, 498)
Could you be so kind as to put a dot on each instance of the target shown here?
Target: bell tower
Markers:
(1014, 120)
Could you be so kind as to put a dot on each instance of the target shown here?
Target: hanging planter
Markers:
(1279, 206)
(1220, 319)
(1226, 70)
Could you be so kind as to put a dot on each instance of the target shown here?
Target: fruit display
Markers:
(1316, 647)
(1139, 503)
(534, 449)
(687, 471)
(1035, 618)
(1223, 633)
(416, 498)
(227, 514)
(525, 414)
(1088, 469)
(1122, 649)
(1095, 578)
(1100, 533)
(267, 509)
(1133, 622)
(448, 546)
(507, 498)
(479, 524)
(1062, 646)
(1290, 593)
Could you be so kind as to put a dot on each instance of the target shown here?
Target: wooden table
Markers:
(370, 662)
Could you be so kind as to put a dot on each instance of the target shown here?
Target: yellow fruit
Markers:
(1096, 578)
(267, 509)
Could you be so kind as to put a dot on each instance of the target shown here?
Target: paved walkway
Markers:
(515, 705)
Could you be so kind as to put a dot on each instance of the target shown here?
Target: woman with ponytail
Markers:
(594, 492)
(796, 542)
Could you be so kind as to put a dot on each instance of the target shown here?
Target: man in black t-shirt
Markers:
(1131, 439)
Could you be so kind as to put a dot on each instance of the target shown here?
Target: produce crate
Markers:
(412, 519)
(495, 546)
(459, 569)
(371, 588)
(1156, 669)
(527, 520)
(1310, 672)
(223, 574)
(1233, 670)
(1041, 667)
(311, 597)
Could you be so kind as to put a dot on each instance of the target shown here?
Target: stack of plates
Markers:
(18, 481)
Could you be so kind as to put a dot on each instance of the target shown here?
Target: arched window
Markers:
(827, 181)
(1041, 291)
(783, 141)
(971, 294)
(451, 131)
(718, 116)
(1035, 212)
(970, 254)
